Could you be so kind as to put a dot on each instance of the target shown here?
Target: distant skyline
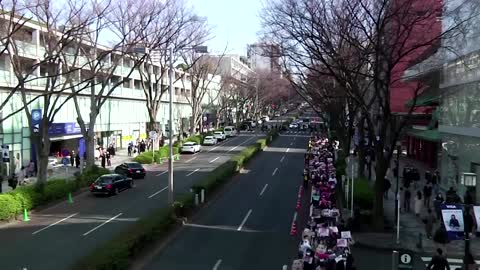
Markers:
(235, 23)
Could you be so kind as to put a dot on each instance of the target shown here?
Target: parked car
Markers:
(191, 147)
(230, 131)
(131, 169)
(293, 125)
(209, 140)
(111, 184)
(219, 135)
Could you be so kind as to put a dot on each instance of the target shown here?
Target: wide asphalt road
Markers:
(58, 236)
(248, 225)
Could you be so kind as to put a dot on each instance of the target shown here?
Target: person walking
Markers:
(406, 202)
(387, 187)
(429, 221)
(438, 262)
(427, 195)
(72, 158)
(418, 203)
(108, 157)
(102, 156)
(437, 204)
(470, 262)
(77, 160)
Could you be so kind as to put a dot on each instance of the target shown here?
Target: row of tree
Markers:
(72, 65)
(344, 57)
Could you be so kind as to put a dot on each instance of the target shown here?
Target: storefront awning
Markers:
(428, 135)
(429, 97)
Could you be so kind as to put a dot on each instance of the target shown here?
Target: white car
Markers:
(209, 140)
(265, 118)
(191, 147)
(219, 135)
(229, 131)
(293, 125)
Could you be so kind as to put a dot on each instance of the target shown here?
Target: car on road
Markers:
(265, 118)
(131, 169)
(293, 125)
(229, 131)
(220, 135)
(277, 114)
(209, 140)
(111, 184)
(190, 147)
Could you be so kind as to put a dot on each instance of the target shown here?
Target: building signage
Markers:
(64, 129)
(36, 120)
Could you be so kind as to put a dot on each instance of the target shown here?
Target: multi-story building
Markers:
(122, 118)
(264, 56)
(456, 68)
(234, 66)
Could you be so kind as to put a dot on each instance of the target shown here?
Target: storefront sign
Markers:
(453, 221)
(64, 129)
(36, 120)
(476, 210)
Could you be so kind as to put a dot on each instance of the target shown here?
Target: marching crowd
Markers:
(326, 241)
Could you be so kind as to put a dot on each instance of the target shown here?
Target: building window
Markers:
(126, 83)
(3, 63)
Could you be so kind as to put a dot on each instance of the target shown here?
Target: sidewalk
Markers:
(411, 226)
(61, 172)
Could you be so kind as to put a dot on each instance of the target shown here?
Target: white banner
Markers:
(476, 210)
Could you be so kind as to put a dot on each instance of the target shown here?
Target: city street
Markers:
(248, 226)
(58, 236)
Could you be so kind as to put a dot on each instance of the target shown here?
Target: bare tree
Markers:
(360, 44)
(175, 26)
(44, 84)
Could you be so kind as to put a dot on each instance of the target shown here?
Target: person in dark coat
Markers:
(387, 187)
(103, 160)
(77, 160)
(438, 262)
(72, 158)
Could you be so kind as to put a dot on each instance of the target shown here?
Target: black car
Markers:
(131, 169)
(111, 184)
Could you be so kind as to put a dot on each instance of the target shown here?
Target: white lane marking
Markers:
(222, 143)
(196, 170)
(104, 223)
(291, 143)
(274, 171)
(288, 149)
(55, 223)
(244, 220)
(217, 265)
(190, 159)
(240, 145)
(294, 217)
(281, 160)
(162, 173)
(213, 160)
(263, 190)
(156, 193)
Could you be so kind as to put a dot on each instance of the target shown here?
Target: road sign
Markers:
(5, 153)
(153, 135)
(36, 120)
(65, 161)
(405, 259)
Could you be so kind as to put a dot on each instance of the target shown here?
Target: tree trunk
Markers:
(380, 170)
(43, 150)
(361, 151)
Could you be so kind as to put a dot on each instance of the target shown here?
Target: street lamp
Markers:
(468, 180)
(397, 195)
(145, 50)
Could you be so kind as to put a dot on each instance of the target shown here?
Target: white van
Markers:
(230, 131)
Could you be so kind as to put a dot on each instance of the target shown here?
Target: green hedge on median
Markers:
(119, 251)
(160, 155)
(28, 197)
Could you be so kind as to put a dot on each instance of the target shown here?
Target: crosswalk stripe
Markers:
(454, 263)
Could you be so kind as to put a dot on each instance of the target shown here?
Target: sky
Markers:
(235, 23)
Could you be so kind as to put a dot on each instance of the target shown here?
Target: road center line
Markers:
(55, 223)
(263, 190)
(244, 220)
(190, 159)
(162, 173)
(217, 265)
(291, 143)
(213, 160)
(274, 171)
(240, 145)
(281, 160)
(156, 193)
(288, 149)
(196, 170)
(104, 223)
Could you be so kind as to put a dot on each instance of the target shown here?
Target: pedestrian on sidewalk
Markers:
(429, 222)
(108, 157)
(72, 158)
(440, 238)
(435, 179)
(418, 203)
(427, 193)
(437, 204)
(406, 202)
(438, 262)
(387, 187)
(77, 160)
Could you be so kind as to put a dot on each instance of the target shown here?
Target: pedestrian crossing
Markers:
(455, 264)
